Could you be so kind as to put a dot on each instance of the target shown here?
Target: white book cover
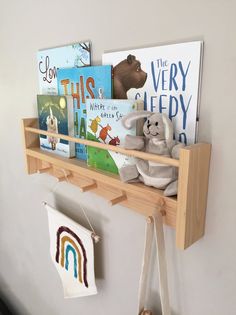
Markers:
(50, 60)
(166, 77)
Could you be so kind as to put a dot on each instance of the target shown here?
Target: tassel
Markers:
(96, 238)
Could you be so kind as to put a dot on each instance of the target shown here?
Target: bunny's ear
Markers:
(168, 130)
(128, 120)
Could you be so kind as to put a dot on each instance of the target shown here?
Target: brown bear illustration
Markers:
(127, 75)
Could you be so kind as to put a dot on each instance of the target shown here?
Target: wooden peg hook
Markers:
(88, 187)
(149, 219)
(44, 169)
(162, 207)
(118, 199)
(66, 175)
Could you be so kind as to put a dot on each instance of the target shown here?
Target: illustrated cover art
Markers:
(56, 116)
(167, 78)
(50, 60)
(83, 83)
(104, 125)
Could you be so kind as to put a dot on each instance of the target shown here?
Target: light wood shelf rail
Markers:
(185, 213)
(99, 145)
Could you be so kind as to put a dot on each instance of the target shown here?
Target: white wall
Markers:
(203, 278)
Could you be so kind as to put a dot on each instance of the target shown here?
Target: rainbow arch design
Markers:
(67, 243)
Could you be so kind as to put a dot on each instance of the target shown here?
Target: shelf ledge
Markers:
(185, 213)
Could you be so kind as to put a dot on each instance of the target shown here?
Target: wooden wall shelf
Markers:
(185, 213)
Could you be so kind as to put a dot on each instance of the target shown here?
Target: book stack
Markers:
(86, 101)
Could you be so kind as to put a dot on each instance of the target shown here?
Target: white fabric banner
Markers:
(72, 252)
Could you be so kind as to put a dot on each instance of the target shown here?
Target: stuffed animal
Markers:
(157, 139)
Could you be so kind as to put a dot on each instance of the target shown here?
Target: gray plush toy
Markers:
(157, 139)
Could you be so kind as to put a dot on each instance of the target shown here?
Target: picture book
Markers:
(104, 125)
(49, 60)
(83, 83)
(167, 78)
(56, 116)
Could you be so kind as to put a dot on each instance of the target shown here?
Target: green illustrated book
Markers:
(56, 116)
(104, 125)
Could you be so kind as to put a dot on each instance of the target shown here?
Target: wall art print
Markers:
(72, 252)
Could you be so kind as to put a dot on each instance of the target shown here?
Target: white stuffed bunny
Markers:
(157, 139)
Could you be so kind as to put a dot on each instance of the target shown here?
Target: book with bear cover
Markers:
(104, 125)
(56, 115)
(49, 60)
(167, 78)
(83, 83)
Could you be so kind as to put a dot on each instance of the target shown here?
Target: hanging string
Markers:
(54, 187)
(94, 235)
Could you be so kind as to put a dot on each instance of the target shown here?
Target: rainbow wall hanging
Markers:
(72, 252)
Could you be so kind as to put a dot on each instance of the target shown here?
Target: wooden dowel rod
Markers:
(44, 170)
(64, 177)
(118, 199)
(69, 176)
(88, 187)
(61, 178)
(134, 153)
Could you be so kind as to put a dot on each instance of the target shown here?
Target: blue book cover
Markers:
(104, 125)
(50, 60)
(84, 83)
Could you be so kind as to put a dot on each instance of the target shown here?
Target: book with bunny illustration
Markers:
(167, 78)
(83, 83)
(49, 60)
(104, 125)
(56, 116)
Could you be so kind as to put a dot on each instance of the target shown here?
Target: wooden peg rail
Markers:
(185, 213)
